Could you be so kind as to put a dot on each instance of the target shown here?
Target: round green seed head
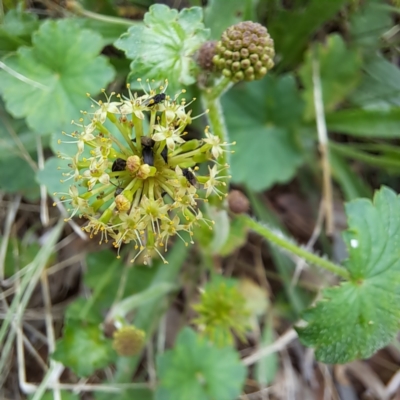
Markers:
(244, 52)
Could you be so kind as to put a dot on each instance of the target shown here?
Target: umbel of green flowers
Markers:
(140, 184)
(222, 310)
(244, 52)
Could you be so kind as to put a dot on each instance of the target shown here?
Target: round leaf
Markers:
(54, 75)
(261, 117)
(359, 317)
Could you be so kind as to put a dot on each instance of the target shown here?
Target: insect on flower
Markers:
(156, 99)
(147, 150)
(157, 193)
(118, 165)
(189, 175)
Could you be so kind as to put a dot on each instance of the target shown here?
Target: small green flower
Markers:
(128, 341)
(222, 309)
(245, 52)
(137, 185)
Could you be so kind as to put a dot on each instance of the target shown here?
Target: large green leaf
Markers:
(369, 23)
(368, 123)
(17, 175)
(358, 317)
(110, 31)
(54, 76)
(16, 29)
(339, 70)
(15, 136)
(51, 175)
(380, 86)
(261, 117)
(218, 16)
(104, 273)
(164, 46)
(83, 348)
(194, 369)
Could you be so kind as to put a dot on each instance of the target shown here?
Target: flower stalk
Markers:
(285, 244)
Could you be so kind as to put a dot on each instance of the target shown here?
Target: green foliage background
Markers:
(48, 65)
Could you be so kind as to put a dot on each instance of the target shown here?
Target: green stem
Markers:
(77, 9)
(137, 123)
(219, 89)
(286, 244)
(211, 102)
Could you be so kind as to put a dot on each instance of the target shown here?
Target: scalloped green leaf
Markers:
(83, 348)
(219, 17)
(380, 85)
(195, 369)
(104, 273)
(15, 136)
(262, 117)
(18, 176)
(54, 75)
(358, 317)
(340, 72)
(16, 29)
(164, 46)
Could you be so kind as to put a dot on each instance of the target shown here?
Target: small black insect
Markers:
(189, 175)
(147, 150)
(152, 101)
(118, 165)
(118, 191)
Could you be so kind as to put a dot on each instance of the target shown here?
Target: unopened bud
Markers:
(122, 203)
(238, 202)
(205, 55)
(128, 341)
(133, 163)
(144, 171)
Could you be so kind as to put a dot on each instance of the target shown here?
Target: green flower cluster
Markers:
(245, 52)
(133, 175)
(128, 340)
(221, 310)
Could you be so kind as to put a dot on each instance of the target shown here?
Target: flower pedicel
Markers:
(140, 186)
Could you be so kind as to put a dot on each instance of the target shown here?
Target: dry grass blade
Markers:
(11, 213)
(23, 294)
(278, 345)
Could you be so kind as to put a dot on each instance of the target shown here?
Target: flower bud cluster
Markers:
(245, 52)
(135, 177)
(128, 341)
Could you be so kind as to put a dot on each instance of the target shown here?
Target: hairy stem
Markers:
(293, 248)
(211, 102)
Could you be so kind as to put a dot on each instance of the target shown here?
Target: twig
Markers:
(44, 210)
(311, 242)
(323, 145)
(50, 330)
(22, 78)
(278, 345)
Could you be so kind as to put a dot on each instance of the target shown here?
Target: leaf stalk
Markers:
(286, 244)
